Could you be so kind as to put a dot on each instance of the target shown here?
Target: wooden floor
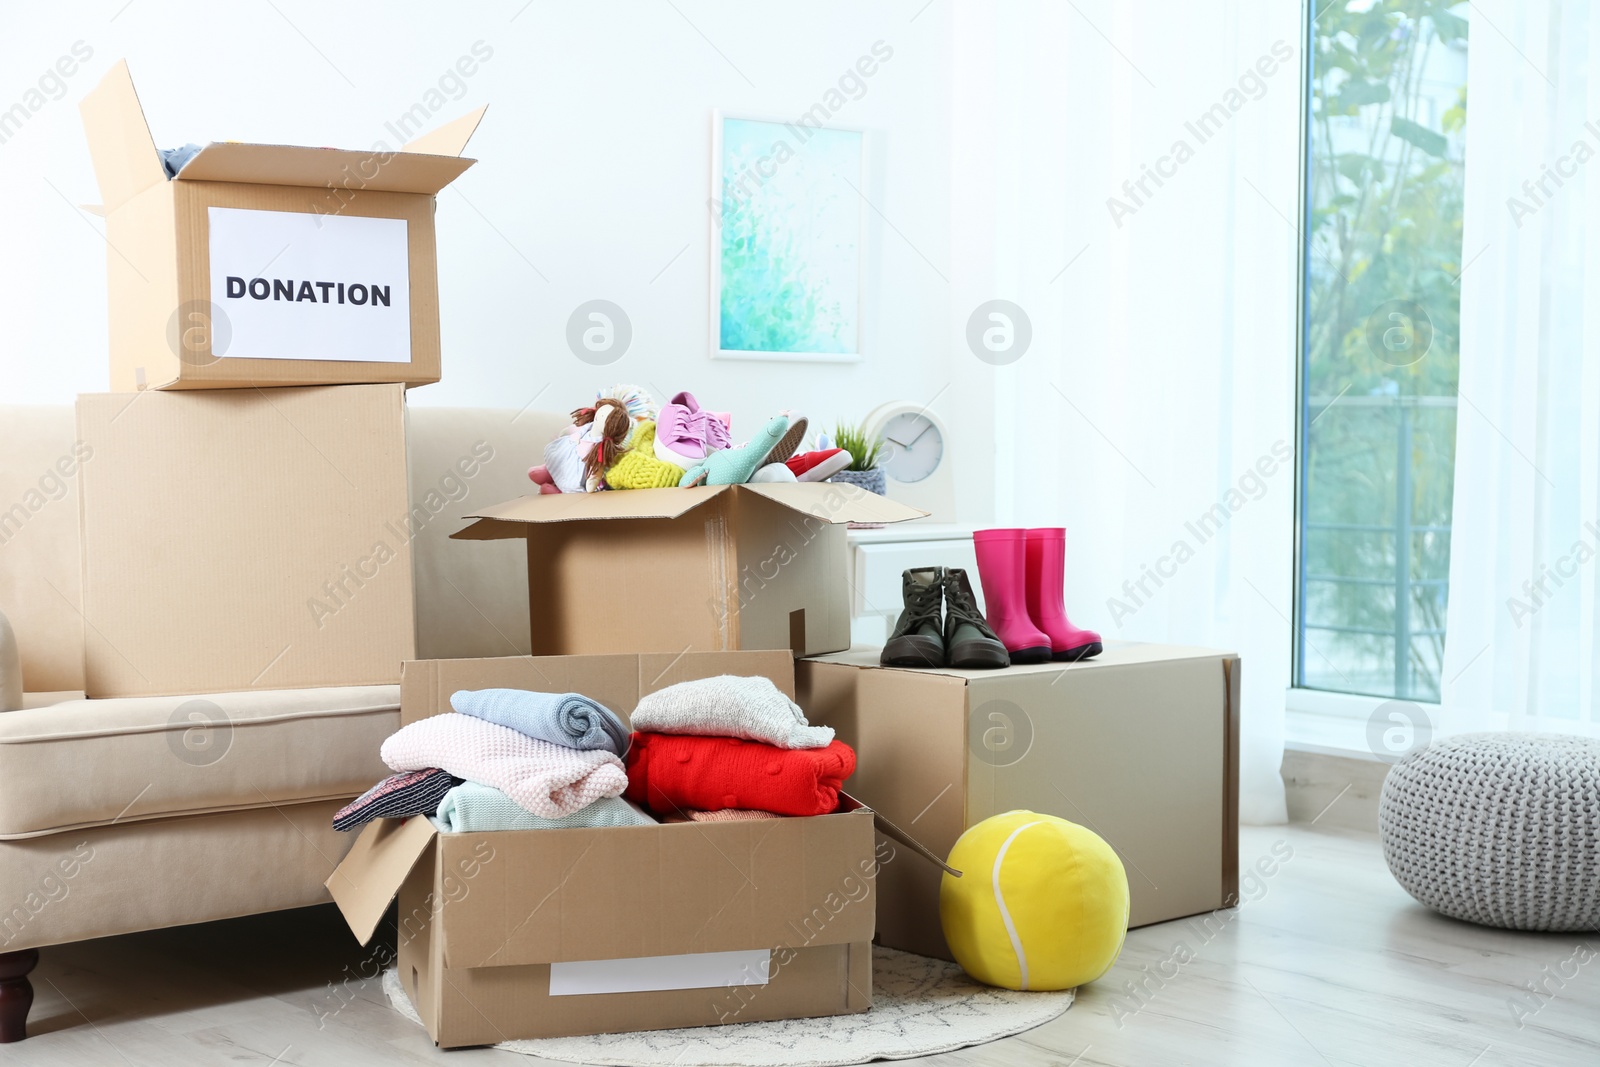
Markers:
(1328, 962)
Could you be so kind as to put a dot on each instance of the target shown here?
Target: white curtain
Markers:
(1153, 414)
(1521, 646)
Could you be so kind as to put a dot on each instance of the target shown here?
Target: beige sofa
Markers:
(140, 813)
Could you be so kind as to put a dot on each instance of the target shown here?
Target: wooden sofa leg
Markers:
(16, 993)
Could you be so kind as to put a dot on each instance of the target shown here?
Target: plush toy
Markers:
(606, 429)
(734, 466)
(541, 476)
(576, 459)
(1042, 903)
(562, 469)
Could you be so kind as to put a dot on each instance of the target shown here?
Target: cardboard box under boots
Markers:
(549, 933)
(244, 539)
(268, 264)
(699, 569)
(1141, 745)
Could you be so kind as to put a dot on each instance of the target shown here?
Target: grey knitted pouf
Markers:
(1499, 829)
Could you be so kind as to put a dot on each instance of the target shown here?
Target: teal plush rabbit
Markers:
(775, 443)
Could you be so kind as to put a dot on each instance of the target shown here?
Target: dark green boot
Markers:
(918, 640)
(968, 640)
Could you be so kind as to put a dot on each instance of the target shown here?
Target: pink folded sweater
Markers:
(551, 781)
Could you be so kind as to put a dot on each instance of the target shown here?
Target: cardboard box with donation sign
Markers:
(268, 264)
(244, 539)
(548, 933)
(1141, 745)
(701, 569)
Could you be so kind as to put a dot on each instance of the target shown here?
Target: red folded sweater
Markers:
(669, 772)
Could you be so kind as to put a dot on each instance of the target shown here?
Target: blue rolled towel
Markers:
(559, 718)
(471, 806)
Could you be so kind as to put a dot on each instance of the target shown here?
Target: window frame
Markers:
(1303, 700)
(1301, 332)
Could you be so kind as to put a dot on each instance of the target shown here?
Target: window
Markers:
(1385, 137)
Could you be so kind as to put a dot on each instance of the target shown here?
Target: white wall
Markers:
(592, 179)
(1161, 380)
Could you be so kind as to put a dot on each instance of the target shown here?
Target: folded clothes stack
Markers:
(729, 747)
(712, 750)
(505, 759)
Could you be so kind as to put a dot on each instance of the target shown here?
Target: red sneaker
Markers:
(819, 465)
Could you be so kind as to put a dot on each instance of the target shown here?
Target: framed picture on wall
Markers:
(788, 235)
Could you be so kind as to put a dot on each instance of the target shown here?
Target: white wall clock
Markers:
(915, 445)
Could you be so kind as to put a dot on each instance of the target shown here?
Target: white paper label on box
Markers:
(292, 285)
(643, 974)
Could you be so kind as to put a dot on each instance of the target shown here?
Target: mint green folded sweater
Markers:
(471, 806)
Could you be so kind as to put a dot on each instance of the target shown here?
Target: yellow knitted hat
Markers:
(638, 467)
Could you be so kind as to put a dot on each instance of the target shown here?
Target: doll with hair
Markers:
(577, 459)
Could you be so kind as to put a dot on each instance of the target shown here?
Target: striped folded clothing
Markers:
(560, 718)
(470, 807)
(546, 779)
(670, 772)
(396, 797)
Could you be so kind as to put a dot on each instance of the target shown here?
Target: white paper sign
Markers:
(292, 285)
(698, 970)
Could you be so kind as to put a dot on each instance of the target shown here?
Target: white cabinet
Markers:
(877, 558)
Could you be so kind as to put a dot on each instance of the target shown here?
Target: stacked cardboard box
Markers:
(1140, 744)
(237, 536)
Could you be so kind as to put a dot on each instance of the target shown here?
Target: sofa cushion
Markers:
(87, 763)
(157, 873)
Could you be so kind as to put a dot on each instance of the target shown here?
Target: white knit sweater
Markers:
(729, 705)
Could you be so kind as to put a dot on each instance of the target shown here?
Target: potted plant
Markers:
(865, 452)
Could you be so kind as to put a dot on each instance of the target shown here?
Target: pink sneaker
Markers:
(686, 434)
(1046, 570)
(1002, 569)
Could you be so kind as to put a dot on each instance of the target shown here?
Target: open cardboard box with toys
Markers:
(721, 567)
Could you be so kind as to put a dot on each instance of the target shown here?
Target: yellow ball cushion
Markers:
(1042, 902)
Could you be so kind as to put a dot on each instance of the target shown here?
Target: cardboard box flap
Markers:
(835, 502)
(448, 140)
(376, 866)
(629, 892)
(827, 501)
(894, 833)
(566, 507)
(331, 168)
(126, 162)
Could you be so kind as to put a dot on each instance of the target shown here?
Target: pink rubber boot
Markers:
(1046, 578)
(1003, 570)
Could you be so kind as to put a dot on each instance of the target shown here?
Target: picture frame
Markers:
(787, 219)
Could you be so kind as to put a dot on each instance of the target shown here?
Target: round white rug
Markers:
(920, 1007)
